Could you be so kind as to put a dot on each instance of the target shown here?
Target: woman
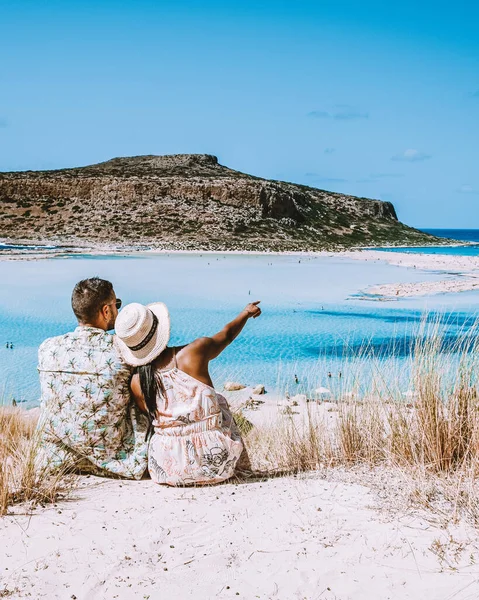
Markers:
(195, 438)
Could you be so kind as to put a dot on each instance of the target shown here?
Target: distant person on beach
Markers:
(195, 439)
(88, 421)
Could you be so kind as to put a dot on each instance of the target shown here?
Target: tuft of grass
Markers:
(243, 424)
(433, 431)
(20, 479)
(288, 444)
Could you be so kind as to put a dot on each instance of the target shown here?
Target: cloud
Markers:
(411, 155)
(467, 189)
(349, 114)
(376, 177)
(333, 179)
(340, 112)
(329, 150)
(386, 175)
(319, 114)
(318, 177)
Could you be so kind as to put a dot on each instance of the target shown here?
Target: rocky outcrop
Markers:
(188, 201)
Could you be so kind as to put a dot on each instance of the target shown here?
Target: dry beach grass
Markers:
(377, 498)
(431, 436)
(20, 481)
(430, 433)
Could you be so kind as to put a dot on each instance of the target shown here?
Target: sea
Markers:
(319, 326)
(470, 236)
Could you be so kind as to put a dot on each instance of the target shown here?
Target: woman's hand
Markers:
(208, 348)
(253, 309)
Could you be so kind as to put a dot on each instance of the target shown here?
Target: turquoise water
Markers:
(315, 318)
(449, 250)
(24, 247)
(471, 236)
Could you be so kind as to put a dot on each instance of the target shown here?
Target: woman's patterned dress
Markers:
(196, 440)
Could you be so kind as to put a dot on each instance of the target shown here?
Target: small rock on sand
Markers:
(299, 398)
(259, 389)
(233, 386)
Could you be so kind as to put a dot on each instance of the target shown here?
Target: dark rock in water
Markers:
(189, 201)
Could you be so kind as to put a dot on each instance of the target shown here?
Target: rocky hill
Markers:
(188, 201)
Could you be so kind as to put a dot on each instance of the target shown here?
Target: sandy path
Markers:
(283, 538)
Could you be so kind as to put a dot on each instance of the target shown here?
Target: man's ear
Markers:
(105, 311)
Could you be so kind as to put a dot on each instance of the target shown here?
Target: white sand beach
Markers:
(454, 285)
(355, 533)
(305, 537)
(462, 271)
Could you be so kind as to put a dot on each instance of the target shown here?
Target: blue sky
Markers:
(376, 99)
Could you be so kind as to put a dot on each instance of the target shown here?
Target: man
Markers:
(87, 420)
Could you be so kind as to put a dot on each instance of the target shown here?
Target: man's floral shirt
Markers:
(87, 419)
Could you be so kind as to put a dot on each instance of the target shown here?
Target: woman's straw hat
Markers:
(142, 332)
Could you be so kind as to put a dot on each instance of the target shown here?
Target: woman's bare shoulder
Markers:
(193, 347)
(193, 352)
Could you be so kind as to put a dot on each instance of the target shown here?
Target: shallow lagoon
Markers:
(314, 315)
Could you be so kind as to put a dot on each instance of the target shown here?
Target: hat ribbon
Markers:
(150, 334)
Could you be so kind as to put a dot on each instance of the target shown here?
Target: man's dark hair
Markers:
(88, 297)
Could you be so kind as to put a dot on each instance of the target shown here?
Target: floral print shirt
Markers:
(87, 419)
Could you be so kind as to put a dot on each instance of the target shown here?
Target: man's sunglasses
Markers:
(117, 303)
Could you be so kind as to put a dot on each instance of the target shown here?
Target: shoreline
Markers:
(100, 250)
(463, 271)
(59, 247)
